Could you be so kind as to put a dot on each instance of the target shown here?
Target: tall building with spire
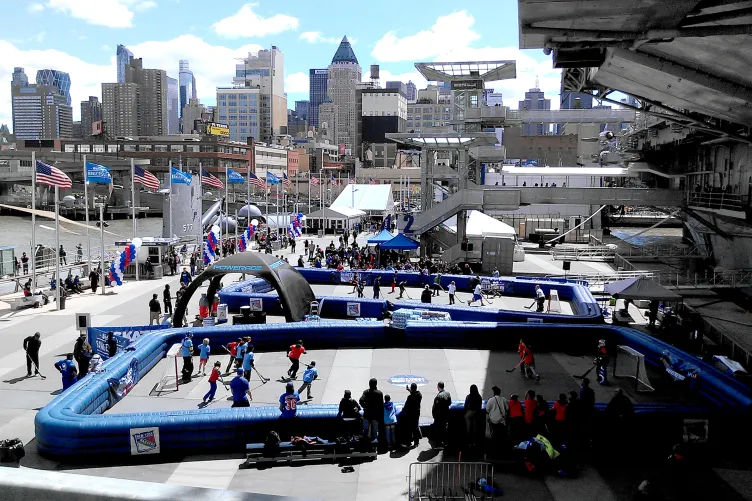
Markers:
(343, 79)
(535, 99)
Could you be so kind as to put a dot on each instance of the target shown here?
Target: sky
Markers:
(80, 37)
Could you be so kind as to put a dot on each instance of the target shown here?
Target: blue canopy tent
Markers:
(400, 242)
(383, 237)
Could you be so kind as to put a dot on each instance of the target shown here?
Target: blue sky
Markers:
(80, 36)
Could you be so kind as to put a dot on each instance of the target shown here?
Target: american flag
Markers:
(255, 181)
(372, 181)
(145, 178)
(286, 180)
(210, 180)
(47, 174)
(315, 181)
(350, 180)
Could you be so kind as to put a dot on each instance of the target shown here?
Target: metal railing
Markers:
(589, 253)
(661, 251)
(718, 200)
(621, 263)
(594, 279)
(444, 481)
(679, 279)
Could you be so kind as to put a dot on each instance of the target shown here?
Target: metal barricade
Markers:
(444, 481)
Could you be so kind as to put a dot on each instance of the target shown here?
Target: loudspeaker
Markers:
(566, 265)
(464, 246)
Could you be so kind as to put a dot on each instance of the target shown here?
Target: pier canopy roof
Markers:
(444, 140)
(487, 71)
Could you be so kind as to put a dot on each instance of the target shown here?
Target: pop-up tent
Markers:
(640, 288)
(400, 242)
(383, 237)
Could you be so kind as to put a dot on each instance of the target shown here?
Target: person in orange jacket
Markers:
(528, 361)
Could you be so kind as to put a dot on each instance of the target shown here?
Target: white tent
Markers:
(480, 225)
(339, 218)
(375, 199)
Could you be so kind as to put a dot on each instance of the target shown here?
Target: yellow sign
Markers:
(214, 129)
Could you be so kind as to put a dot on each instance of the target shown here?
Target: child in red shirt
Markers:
(528, 360)
(296, 351)
(213, 378)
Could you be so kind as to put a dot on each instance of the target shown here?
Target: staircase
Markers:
(444, 236)
(462, 200)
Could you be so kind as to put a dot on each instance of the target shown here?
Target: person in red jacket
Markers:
(530, 408)
(528, 361)
(232, 347)
(213, 378)
(296, 350)
(515, 418)
(560, 416)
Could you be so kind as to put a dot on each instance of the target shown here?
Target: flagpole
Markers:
(133, 210)
(57, 248)
(169, 175)
(86, 205)
(227, 209)
(33, 221)
(266, 202)
(200, 226)
(101, 237)
(236, 231)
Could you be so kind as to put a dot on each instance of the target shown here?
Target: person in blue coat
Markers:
(186, 351)
(67, 369)
(185, 277)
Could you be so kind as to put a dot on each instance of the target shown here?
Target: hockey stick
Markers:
(36, 367)
(533, 304)
(263, 379)
(518, 364)
(586, 373)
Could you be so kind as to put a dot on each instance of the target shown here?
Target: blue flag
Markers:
(180, 177)
(96, 173)
(271, 178)
(234, 177)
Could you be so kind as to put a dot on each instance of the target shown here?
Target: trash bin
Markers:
(62, 301)
(11, 450)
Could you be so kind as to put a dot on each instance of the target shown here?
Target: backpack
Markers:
(271, 444)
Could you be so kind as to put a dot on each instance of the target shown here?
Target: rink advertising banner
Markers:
(121, 387)
(123, 335)
(144, 441)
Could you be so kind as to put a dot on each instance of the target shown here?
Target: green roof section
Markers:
(344, 53)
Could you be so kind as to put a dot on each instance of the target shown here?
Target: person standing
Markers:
(80, 355)
(67, 369)
(62, 255)
(216, 375)
(193, 264)
(407, 421)
(560, 417)
(473, 408)
(376, 287)
(497, 409)
(516, 418)
(528, 364)
(112, 345)
(203, 358)
(540, 298)
(296, 350)
(249, 359)
(94, 280)
(425, 296)
(292, 246)
(241, 390)
(390, 422)
(402, 285)
(372, 401)
(394, 281)
(311, 373)
(440, 412)
(288, 406)
(167, 299)
(186, 351)
(79, 253)
(240, 353)
(25, 263)
(349, 411)
(530, 407)
(601, 361)
(452, 289)
(232, 348)
(31, 346)
(155, 309)
(437, 285)
(185, 277)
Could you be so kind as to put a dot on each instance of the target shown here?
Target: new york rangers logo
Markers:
(145, 442)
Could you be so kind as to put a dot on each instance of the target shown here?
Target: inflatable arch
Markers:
(295, 293)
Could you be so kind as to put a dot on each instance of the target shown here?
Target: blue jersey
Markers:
(67, 368)
(205, 350)
(240, 351)
(187, 349)
(289, 403)
(239, 386)
(310, 374)
(248, 361)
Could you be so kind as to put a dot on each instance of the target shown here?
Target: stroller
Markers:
(538, 455)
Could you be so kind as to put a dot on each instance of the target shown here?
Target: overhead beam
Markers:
(727, 15)
(578, 35)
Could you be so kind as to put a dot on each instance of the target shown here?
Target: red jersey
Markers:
(530, 406)
(560, 411)
(295, 352)
(521, 349)
(233, 347)
(515, 408)
(527, 356)
(214, 376)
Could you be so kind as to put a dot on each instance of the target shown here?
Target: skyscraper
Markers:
(173, 106)
(40, 111)
(187, 85)
(152, 97)
(120, 109)
(301, 110)
(123, 58)
(192, 112)
(317, 81)
(397, 85)
(265, 71)
(344, 77)
(535, 99)
(91, 111)
(412, 91)
(58, 79)
(240, 108)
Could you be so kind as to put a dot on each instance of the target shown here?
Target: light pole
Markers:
(101, 243)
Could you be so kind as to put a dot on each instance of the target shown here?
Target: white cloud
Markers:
(110, 13)
(106, 48)
(318, 37)
(453, 30)
(143, 6)
(39, 37)
(296, 83)
(35, 7)
(212, 65)
(246, 23)
(449, 40)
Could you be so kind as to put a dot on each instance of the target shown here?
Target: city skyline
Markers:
(395, 43)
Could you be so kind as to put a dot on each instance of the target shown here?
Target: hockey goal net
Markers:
(170, 380)
(631, 363)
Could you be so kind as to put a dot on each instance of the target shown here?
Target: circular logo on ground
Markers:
(408, 379)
